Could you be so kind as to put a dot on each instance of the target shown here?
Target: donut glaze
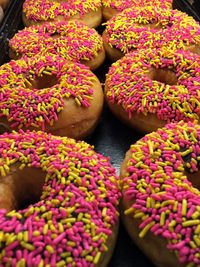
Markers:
(39, 11)
(50, 93)
(77, 190)
(71, 40)
(110, 8)
(149, 88)
(150, 27)
(161, 202)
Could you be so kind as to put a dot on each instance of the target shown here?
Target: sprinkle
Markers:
(146, 229)
(190, 223)
(184, 207)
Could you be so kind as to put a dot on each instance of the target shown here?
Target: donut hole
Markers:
(193, 178)
(44, 81)
(21, 188)
(4, 128)
(55, 35)
(165, 76)
(154, 25)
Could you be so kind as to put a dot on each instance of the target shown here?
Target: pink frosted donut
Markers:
(39, 11)
(50, 93)
(112, 7)
(150, 27)
(71, 40)
(148, 88)
(161, 197)
(59, 202)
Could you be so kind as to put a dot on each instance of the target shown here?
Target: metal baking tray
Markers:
(111, 137)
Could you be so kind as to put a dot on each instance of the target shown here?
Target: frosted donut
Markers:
(161, 202)
(148, 88)
(39, 11)
(74, 192)
(51, 94)
(71, 40)
(1, 14)
(111, 8)
(4, 3)
(150, 27)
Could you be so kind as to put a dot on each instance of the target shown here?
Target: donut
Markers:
(4, 3)
(149, 88)
(69, 39)
(50, 93)
(111, 8)
(39, 11)
(161, 197)
(1, 14)
(150, 27)
(65, 209)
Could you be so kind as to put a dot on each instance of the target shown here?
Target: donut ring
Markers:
(50, 93)
(71, 40)
(160, 205)
(39, 11)
(4, 3)
(150, 27)
(148, 88)
(1, 14)
(111, 8)
(74, 222)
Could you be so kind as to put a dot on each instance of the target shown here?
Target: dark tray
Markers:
(111, 137)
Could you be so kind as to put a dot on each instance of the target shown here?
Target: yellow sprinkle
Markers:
(69, 259)
(195, 215)
(196, 231)
(41, 264)
(3, 173)
(150, 145)
(146, 229)
(162, 218)
(104, 212)
(138, 215)
(27, 246)
(60, 263)
(45, 229)
(186, 152)
(196, 240)
(25, 236)
(97, 258)
(89, 258)
(190, 223)
(71, 243)
(185, 135)
(129, 211)
(192, 244)
(184, 207)
(21, 263)
(50, 249)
